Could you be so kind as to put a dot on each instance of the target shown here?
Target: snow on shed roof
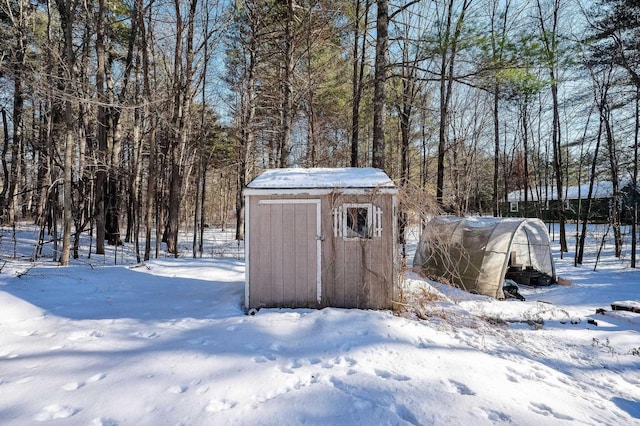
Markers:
(347, 177)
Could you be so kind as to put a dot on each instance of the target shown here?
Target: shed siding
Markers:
(283, 256)
(354, 273)
(359, 273)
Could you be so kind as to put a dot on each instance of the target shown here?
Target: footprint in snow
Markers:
(96, 377)
(496, 416)
(177, 389)
(452, 386)
(424, 343)
(55, 411)
(198, 341)
(81, 335)
(362, 405)
(512, 378)
(265, 357)
(384, 374)
(9, 355)
(295, 364)
(631, 380)
(202, 390)
(73, 386)
(217, 405)
(145, 334)
(276, 347)
(26, 333)
(350, 361)
(406, 414)
(286, 370)
(545, 410)
(100, 421)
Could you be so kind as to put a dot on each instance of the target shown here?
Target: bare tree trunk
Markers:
(20, 25)
(579, 219)
(183, 75)
(405, 112)
(5, 168)
(203, 212)
(550, 41)
(136, 178)
(247, 122)
(151, 138)
(380, 82)
(199, 213)
(589, 200)
(310, 109)
(525, 144)
(497, 46)
(635, 189)
(496, 145)
(615, 185)
(66, 19)
(358, 77)
(447, 64)
(102, 129)
(286, 114)
(601, 102)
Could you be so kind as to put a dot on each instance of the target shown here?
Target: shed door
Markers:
(284, 267)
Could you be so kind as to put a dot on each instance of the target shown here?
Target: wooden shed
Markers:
(320, 237)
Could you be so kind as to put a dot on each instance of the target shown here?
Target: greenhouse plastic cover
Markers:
(474, 253)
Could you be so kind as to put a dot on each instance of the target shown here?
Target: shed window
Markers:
(357, 221)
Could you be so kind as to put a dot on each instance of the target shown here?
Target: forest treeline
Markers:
(138, 119)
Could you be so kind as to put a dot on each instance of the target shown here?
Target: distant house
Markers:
(542, 202)
(320, 237)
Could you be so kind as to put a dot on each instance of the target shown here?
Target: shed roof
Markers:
(301, 178)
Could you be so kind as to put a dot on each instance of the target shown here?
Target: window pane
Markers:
(357, 222)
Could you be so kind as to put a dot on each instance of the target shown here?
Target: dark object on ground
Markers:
(511, 291)
(529, 276)
(626, 306)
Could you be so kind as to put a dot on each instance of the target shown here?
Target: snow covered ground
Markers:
(167, 343)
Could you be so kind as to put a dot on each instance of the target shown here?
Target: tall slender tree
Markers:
(66, 9)
(380, 81)
(449, 37)
(549, 22)
(360, 21)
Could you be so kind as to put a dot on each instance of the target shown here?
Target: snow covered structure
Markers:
(543, 202)
(477, 253)
(320, 237)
